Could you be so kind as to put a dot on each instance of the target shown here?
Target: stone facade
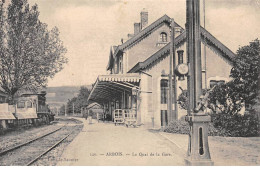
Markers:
(147, 53)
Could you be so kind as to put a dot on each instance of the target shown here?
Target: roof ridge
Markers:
(220, 46)
(143, 32)
(218, 43)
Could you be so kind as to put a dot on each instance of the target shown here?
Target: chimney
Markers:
(144, 18)
(136, 28)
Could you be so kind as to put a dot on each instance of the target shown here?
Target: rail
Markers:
(30, 141)
(49, 149)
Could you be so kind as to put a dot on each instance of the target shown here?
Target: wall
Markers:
(216, 66)
(146, 47)
(146, 108)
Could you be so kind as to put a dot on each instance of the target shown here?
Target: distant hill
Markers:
(57, 96)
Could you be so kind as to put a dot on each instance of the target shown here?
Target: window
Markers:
(164, 91)
(20, 104)
(29, 104)
(163, 37)
(164, 94)
(164, 118)
(212, 83)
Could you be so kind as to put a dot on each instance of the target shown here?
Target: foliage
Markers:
(79, 102)
(62, 109)
(82, 98)
(70, 104)
(236, 125)
(183, 99)
(246, 73)
(178, 126)
(30, 53)
(226, 100)
(182, 127)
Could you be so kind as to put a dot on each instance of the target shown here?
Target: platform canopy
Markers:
(111, 87)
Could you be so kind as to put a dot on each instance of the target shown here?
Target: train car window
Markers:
(29, 104)
(20, 104)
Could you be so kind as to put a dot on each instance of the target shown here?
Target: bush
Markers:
(237, 125)
(223, 125)
(182, 127)
(178, 126)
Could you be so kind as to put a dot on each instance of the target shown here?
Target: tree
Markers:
(226, 100)
(79, 101)
(62, 110)
(30, 53)
(70, 105)
(246, 73)
(244, 86)
(82, 98)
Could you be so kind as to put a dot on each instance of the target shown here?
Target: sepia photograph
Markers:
(129, 83)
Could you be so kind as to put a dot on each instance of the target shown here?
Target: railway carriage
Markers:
(31, 109)
(7, 119)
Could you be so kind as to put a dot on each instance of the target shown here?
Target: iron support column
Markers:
(198, 149)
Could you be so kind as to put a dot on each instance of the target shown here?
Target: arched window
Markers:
(163, 37)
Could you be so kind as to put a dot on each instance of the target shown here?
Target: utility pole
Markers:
(198, 149)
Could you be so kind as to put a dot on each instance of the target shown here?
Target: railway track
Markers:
(45, 152)
(28, 142)
(31, 151)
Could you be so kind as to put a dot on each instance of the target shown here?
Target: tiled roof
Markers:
(144, 33)
(211, 42)
(162, 52)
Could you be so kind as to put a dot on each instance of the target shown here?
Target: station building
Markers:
(138, 69)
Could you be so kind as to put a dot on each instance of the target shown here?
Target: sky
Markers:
(89, 28)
